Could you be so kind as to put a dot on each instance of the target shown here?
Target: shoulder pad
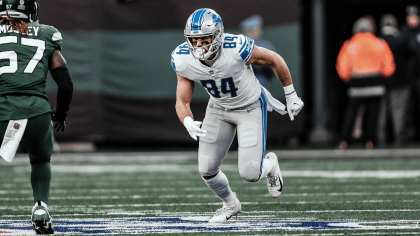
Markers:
(242, 46)
(51, 34)
(177, 57)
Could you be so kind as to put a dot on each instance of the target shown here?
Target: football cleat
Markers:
(41, 220)
(274, 178)
(225, 213)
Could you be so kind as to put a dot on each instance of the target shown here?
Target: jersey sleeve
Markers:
(57, 39)
(52, 36)
(245, 47)
(177, 58)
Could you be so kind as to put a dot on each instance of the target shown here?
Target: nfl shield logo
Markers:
(22, 5)
(211, 72)
(16, 126)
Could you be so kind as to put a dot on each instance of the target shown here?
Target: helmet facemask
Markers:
(200, 52)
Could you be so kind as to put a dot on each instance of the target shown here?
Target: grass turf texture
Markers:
(175, 189)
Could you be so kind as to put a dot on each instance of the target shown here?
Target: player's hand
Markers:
(294, 104)
(193, 128)
(59, 121)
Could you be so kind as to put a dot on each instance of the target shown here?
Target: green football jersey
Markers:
(24, 63)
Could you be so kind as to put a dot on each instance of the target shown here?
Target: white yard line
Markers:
(194, 189)
(133, 206)
(149, 157)
(192, 196)
(172, 168)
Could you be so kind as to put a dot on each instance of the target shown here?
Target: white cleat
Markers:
(274, 178)
(225, 213)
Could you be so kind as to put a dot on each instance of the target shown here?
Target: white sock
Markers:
(219, 184)
(266, 168)
(42, 204)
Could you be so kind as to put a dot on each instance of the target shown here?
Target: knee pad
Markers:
(206, 169)
(207, 166)
(251, 172)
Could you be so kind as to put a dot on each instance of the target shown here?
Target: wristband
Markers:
(289, 89)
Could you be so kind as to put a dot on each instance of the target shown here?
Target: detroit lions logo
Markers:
(217, 20)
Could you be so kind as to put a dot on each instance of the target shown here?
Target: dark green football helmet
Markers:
(24, 9)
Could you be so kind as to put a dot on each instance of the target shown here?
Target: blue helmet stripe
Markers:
(196, 19)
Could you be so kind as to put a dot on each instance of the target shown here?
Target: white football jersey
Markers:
(229, 82)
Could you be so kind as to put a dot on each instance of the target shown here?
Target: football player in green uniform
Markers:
(28, 50)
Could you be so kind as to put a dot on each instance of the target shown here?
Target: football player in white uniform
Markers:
(221, 63)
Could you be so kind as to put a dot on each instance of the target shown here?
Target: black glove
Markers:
(59, 121)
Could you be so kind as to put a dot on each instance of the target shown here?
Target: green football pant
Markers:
(38, 142)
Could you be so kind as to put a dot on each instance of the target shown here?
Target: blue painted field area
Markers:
(168, 225)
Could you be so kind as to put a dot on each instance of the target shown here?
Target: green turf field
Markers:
(167, 196)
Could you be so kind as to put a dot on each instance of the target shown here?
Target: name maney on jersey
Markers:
(229, 82)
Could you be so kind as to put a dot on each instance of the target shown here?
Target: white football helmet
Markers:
(204, 22)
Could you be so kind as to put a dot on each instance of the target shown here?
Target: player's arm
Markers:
(264, 57)
(60, 73)
(184, 92)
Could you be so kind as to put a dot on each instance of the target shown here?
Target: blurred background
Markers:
(118, 52)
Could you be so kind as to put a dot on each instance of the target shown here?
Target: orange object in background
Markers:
(364, 54)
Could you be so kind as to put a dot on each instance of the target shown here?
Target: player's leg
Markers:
(399, 111)
(38, 142)
(211, 152)
(252, 161)
(349, 118)
(372, 120)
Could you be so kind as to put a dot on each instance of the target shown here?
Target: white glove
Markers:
(293, 103)
(193, 128)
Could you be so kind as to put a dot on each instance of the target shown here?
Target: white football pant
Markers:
(250, 122)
